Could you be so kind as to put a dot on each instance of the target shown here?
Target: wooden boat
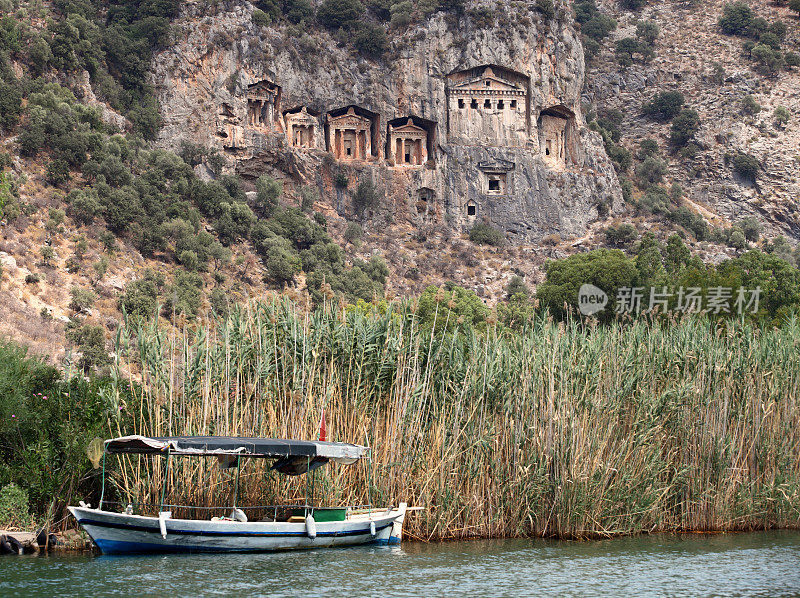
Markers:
(291, 527)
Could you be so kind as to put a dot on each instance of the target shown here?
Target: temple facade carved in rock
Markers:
(410, 142)
(484, 152)
(351, 133)
(488, 105)
(302, 127)
(263, 105)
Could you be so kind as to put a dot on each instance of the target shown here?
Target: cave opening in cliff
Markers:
(425, 199)
(496, 182)
(556, 125)
(472, 209)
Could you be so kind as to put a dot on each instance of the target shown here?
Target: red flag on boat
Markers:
(323, 429)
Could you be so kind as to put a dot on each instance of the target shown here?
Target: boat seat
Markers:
(297, 519)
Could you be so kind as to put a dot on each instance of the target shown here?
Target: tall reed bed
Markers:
(562, 430)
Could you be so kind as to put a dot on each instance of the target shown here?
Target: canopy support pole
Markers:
(103, 483)
(313, 479)
(308, 473)
(369, 483)
(164, 483)
(236, 485)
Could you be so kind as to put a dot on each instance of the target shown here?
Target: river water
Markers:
(752, 564)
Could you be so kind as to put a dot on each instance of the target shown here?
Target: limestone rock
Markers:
(457, 124)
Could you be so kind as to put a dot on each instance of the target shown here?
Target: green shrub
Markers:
(737, 240)
(141, 296)
(792, 59)
(624, 49)
(365, 198)
(651, 172)
(655, 200)
(517, 288)
(594, 24)
(219, 301)
(647, 148)
(84, 205)
(90, 340)
(81, 299)
(647, 32)
(664, 106)
(57, 172)
(684, 127)
(782, 115)
(282, 264)
(607, 269)
(620, 156)
(484, 234)
(298, 11)
(446, 309)
(184, 295)
(335, 14)
(401, 15)
(45, 425)
(260, 18)
(632, 4)
(48, 255)
(341, 180)
(746, 166)
(750, 105)
(370, 40)
(108, 240)
(736, 19)
(308, 197)
(14, 508)
(751, 228)
(622, 235)
(769, 60)
(546, 8)
(10, 104)
(353, 233)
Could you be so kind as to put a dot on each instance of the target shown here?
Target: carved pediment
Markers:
(480, 84)
(262, 90)
(349, 120)
(496, 165)
(409, 129)
(301, 118)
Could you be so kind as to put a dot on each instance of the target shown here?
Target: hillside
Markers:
(190, 155)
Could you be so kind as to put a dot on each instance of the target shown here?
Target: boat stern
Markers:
(396, 536)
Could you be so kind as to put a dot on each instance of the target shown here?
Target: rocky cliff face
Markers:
(694, 57)
(278, 104)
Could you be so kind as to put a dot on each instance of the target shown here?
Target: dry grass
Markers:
(561, 431)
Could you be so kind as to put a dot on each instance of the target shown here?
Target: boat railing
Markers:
(277, 511)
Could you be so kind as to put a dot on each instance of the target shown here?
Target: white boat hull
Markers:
(119, 533)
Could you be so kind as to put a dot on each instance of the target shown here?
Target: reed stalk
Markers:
(562, 430)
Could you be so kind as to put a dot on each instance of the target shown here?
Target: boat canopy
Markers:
(295, 451)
